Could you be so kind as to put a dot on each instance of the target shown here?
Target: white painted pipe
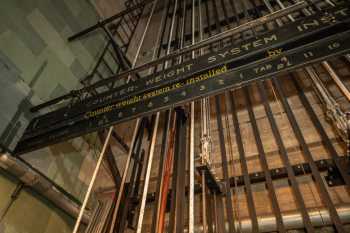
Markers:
(291, 220)
(325, 64)
(41, 185)
(148, 174)
(191, 155)
(138, 121)
(336, 79)
(92, 182)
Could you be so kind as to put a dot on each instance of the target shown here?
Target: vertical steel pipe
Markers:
(148, 173)
(121, 191)
(92, 182)
(191, 159)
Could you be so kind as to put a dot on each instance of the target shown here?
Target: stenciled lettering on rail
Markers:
(238, 52)
(231, 52)
(213, 82)
(191, 81)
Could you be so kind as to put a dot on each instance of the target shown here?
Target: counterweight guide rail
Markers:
(297, 44)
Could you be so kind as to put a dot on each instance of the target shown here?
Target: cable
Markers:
(230, 151)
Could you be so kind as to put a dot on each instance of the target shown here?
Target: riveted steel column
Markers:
(263, 162)
(244, 167)
(284, 157)
(325, 197)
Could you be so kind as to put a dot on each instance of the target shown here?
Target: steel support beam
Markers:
(201, 44)
(263, 162)
(126, 74)
(108, 20)
(227, 190)
(259, 177)
(163, 161)
(340, 164)
(40, 125)
(112, 164)
(326, 199)
(176, 220)
(132, 187)
(219, 214)
(244, 166)
(120, 141)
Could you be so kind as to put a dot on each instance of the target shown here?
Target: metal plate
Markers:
(213, 81)
(292, 35)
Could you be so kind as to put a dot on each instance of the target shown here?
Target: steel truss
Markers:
(208, 75)
(235, 52)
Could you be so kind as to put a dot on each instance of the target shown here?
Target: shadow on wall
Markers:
(15, 98)
(29, 212)
(37, 64)
(36, 61)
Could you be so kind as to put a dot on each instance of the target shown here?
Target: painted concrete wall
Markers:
(36, 59)
(30, 213)
(37, 64)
